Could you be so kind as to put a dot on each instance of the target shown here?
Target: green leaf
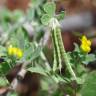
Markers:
(20, 38)
(50, 8)
(3, 81)
(5, 68)
(80, 80)
(30, 55)
(36, 53)
(2, 51)
(31, 14)
(39, 11)
(38, 70)
(45, 19)
(80, 69)
(89, 58)
(77, 48)
(36, 3)
(6, 15)
(61, 79)
(16, 15)
(89, 87)
(61, 15)
(12, 94)
(27, 53)
(5, 26)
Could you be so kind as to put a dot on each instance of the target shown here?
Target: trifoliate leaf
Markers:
(50, 8)
(45, 19)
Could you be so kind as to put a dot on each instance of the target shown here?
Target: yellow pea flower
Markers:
(84, 40)
(19, 53)
(15, 51)
(85, 44)
(85, 48)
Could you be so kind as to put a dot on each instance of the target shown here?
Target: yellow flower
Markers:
(85, 48)
(19, 53)
(15, 51)
(85, 44)
(84, 40)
